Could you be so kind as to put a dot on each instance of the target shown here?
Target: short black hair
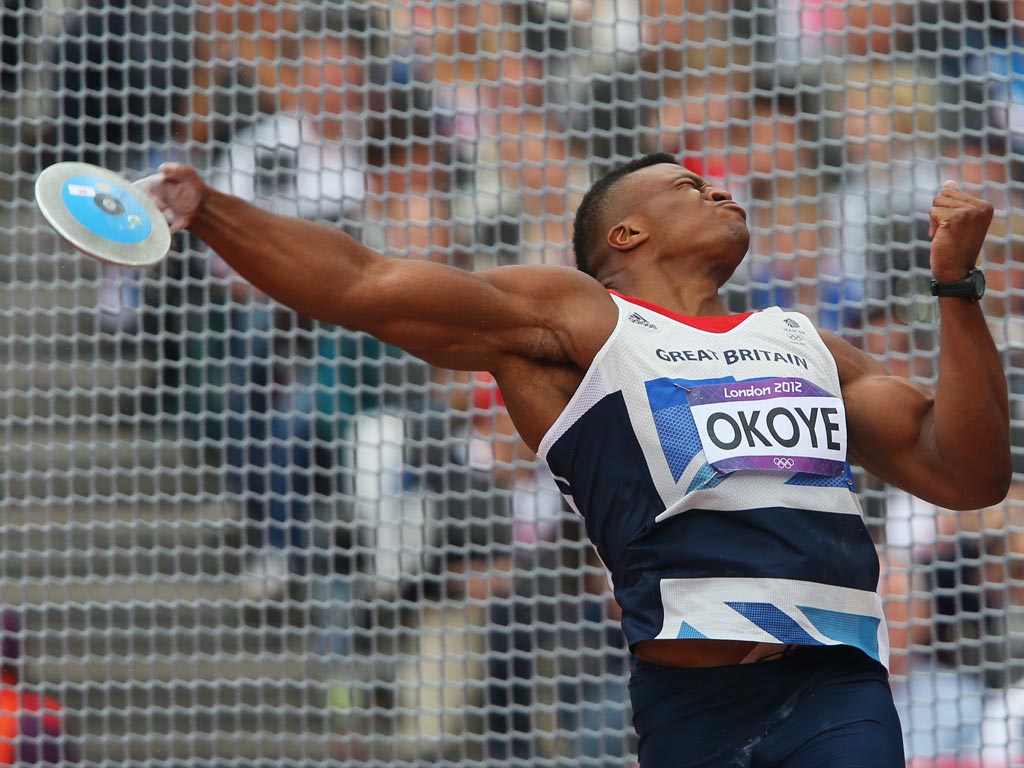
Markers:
(595, 203)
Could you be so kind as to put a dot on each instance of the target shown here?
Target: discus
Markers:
(102, 215)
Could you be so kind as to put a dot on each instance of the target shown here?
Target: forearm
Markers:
(306, 266)
(971, 410)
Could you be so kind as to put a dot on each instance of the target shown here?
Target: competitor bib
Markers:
(777, 424)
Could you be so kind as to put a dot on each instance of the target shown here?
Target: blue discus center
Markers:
(106, 210)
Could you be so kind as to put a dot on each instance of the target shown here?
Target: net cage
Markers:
(236, 536)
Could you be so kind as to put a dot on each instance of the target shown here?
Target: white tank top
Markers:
(708, 459)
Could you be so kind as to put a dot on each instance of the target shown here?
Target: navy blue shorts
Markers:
(819, 707)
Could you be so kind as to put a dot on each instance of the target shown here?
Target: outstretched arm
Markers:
(950, 447)
(446, 316)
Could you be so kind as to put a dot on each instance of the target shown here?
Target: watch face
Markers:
(977, 278)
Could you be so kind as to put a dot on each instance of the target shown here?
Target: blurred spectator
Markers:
(986, 163)
(979, 606)
(515, 592)
(409, 158)
(939, 694)
(889, 175)
(709, 125)
(521, 622)
(662, 76)
(306, 159)
(944, 585)
(529, 163)
(794, 260)
(349, 410)
(959, 688)
(241, 49)
(939, 700)
(469, 561)
(814, 38)
(979, 55)
(318, 409)
(244, 50)
(686, 37)
(15, 27)
(481, 68)
(600, 77)
(31, 724)
(122, 72)
(529, 615)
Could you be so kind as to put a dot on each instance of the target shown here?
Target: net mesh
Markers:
(236, 536)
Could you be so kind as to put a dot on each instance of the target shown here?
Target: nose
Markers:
(718, 195)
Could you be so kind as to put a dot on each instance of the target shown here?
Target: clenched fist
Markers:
(178, 192)
(959, 223)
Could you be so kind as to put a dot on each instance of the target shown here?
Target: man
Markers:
(706, 452)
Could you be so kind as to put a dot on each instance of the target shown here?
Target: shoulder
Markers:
(571, 313)
(560, 296)
(547, 284)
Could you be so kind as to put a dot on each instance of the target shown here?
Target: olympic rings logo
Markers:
(783, 463)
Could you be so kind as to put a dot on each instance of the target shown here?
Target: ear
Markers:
(625, 236)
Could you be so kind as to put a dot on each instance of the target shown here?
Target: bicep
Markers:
(888, 420)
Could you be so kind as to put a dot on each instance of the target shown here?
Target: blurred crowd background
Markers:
(236, 536)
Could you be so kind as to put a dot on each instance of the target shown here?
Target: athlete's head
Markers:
(655, 206)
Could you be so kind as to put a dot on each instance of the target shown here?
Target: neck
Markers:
(698, 297)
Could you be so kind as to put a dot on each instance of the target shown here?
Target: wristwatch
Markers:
(971, 287)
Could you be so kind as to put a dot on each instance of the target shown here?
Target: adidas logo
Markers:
(636, 318)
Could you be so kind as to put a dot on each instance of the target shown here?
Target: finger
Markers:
(174, 171)
(965, 203)
(949, 202)
(940, 217)
(149, 183)
(950, 184)
(961, 200)
(176, 224)
(955, 193)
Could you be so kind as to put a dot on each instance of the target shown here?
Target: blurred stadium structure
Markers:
(237, 537)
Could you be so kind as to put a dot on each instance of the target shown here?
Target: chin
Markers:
(736, 247)
(740, 235)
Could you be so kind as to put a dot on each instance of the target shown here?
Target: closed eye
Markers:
(691, 182)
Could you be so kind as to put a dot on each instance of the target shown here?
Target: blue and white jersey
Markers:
(708, 459)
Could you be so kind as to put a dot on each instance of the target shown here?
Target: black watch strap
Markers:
(970, 287)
